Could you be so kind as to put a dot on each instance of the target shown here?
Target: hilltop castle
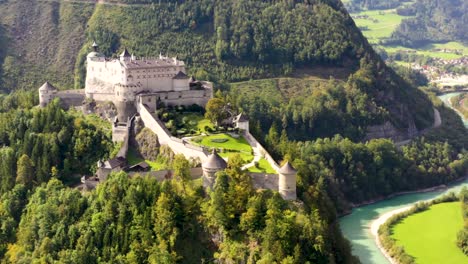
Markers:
(151, 81)
(137, 87)
(128, 80)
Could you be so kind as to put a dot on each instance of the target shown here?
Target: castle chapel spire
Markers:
(95, 46)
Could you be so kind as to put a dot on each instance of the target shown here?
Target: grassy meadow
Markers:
(430, 236)
(380, 24)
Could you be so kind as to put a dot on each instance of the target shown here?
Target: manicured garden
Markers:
(185, 121)
(227, 144)
(430, 236)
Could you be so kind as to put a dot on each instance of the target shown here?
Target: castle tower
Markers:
(287, 181)
(125, 56)
(95, 46)
(47, 93)
(180, 82)
(210, 167)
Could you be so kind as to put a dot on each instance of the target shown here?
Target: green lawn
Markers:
(133, 158)
(430, 236)
(202, 123)
(235, 145)
(263, 166)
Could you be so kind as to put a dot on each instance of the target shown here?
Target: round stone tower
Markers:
(213, 164)
(287, 181)
(47, 93)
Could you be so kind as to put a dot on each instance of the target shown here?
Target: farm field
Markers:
(429, 50)
(379, 24)
(430, 236)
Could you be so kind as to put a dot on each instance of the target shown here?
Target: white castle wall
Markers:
(129, 76)
(178, 146)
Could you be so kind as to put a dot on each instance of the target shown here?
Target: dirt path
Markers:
(437, 123)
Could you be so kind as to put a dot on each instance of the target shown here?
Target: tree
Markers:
(181, 167)
(25, 171)
(7, 169)
(215, 110)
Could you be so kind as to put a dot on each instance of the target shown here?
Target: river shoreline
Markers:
(379, 199)
(381, 219)
(375, 226)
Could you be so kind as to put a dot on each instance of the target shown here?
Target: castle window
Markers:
(138, 76)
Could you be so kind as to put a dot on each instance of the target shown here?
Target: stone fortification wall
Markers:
(162, 175)
(265, 181)
(119, 133)
(165, 138)
(126, 138)
(255, 144)
(102, 97)
(71, 98)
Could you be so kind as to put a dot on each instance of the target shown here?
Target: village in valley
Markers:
(154, 97)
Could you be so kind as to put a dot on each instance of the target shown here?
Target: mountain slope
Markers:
(439, 21)
(223, 41)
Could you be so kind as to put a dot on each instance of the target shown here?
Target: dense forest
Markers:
(435, 21)
(221, 41)
(139, 220)
(40, 143)
(311, 109)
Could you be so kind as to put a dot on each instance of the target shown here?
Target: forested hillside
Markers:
(433, 20)
(223, 41)
(301, 70)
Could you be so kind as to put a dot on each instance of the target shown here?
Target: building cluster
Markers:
(138, 87)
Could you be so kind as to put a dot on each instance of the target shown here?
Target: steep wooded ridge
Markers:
(224, 41)
(434, 20)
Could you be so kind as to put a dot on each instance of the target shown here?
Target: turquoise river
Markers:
(356, 226)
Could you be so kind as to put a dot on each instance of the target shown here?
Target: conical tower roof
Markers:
(47, 87)
(125, 53)
(181, 76)
(287, 169)
(215, 161)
